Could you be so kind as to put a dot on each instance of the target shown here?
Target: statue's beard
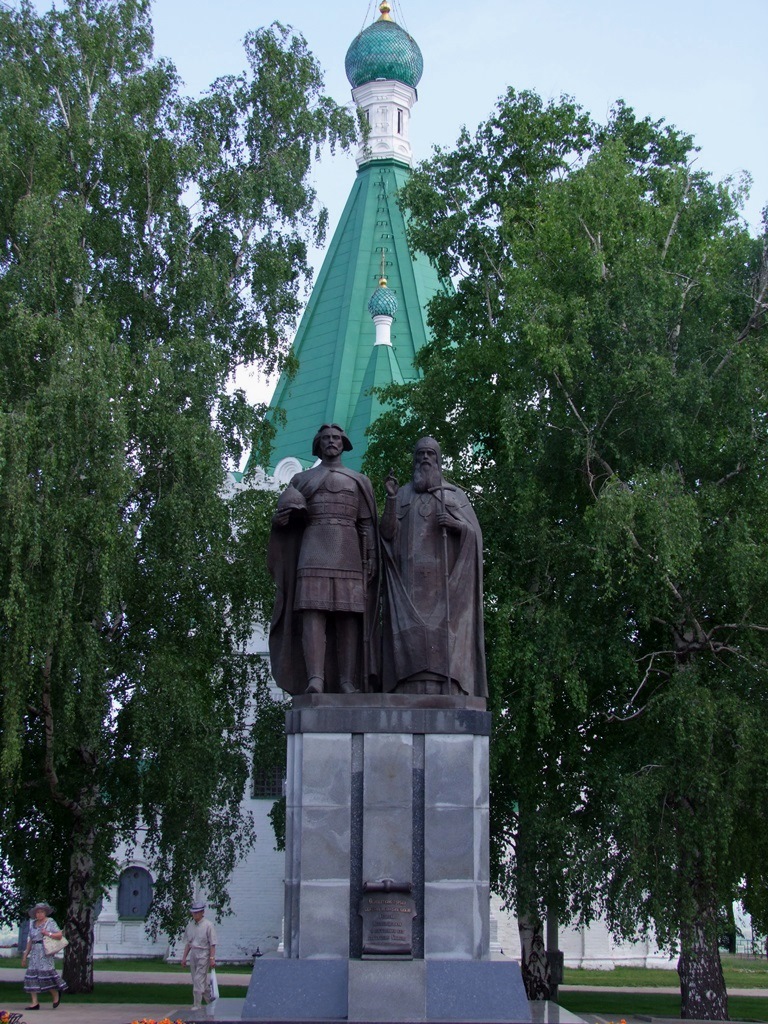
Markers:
(426, 478)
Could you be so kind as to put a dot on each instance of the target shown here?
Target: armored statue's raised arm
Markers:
(432, 556)
(324, 559)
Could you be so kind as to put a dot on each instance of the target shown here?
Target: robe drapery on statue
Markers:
(325, 559)
(415, 644)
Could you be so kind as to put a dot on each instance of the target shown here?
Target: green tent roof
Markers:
(338, 362)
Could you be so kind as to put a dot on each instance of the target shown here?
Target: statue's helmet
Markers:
(346, 444)
(291, 500)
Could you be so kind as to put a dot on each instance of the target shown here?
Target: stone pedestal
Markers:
(387, 793)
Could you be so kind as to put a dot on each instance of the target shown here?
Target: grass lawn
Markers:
(616, 1005)
(624, 977)
(740, 972)
(621, 1004)
(12, 994)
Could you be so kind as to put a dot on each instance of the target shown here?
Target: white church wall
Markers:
(115, 938)
(590, 948)
(594, 948)
(256, 895)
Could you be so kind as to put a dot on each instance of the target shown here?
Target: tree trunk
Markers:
(533, 957)
(702, 985)
(554, 954)
(730, 934)
(78, 956)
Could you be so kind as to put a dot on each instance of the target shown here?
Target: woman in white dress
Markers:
(41, 975)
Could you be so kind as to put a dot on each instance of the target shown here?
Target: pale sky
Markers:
(702, 65)
(698, 64)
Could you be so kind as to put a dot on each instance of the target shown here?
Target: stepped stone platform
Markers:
(387, 906)
(227, 1011)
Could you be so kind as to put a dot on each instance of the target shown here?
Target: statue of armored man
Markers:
(323, 555)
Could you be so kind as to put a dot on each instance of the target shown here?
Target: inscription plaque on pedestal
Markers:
(387, 910)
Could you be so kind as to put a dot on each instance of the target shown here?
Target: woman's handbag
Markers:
(52, 946)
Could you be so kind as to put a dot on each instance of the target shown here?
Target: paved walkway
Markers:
(229, 1010)
(94, 1012)
(119, 1013)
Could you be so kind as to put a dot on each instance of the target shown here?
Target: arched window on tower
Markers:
(134, 894)
(399, 121)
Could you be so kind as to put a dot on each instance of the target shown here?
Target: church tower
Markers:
(365, 319)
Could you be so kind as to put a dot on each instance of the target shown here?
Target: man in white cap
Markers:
(200, 939)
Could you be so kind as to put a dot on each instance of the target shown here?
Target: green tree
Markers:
(149, 246)
(598, 379)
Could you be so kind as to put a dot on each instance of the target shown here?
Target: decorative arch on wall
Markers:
(286, 470)
(134, 894)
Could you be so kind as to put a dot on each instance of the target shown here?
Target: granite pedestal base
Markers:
(387, 794)
(387, 787)
(387, 991)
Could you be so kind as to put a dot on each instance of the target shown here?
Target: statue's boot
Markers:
(313, 644)
(347, 626)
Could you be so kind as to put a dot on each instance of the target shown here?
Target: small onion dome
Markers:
(383, 302)
(384, 50)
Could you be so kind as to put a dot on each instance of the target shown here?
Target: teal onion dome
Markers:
(384, 50)
(383, 302)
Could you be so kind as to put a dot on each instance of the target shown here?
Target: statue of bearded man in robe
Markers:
(432, 556)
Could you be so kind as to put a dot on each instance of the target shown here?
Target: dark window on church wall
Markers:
(134, 894)
(268, 783)
(399, 122)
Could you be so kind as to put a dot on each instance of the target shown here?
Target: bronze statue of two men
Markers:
(362, 605)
